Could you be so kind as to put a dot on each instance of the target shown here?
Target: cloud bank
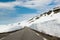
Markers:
(29, 3)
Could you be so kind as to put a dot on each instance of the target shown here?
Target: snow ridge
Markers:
(48, 22)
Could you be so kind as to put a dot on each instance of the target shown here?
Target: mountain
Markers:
(47, 22)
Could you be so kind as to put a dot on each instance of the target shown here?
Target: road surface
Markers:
(27, 34)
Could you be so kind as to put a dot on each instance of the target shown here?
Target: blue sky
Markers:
(7, 0)
(12, 11)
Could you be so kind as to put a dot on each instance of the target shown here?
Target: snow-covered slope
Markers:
(48, 23)
(9, 27)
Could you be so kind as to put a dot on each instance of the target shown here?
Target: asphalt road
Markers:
(25, 34)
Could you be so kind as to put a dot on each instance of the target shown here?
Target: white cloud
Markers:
(31, 4)
(57, 1)
(9, 5)
(36, 3)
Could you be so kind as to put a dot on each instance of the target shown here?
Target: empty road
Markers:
(25, 34)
